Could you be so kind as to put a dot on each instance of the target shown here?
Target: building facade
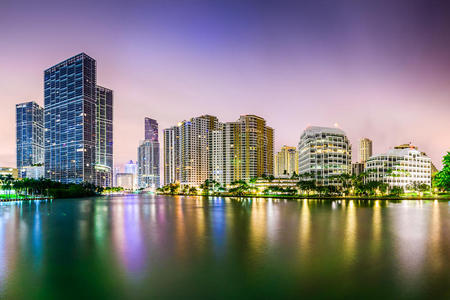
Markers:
(151, 129)
(400, 167)
(104, 137)
(358, 168)
(324, 152)
(172, 155)
(125, 180)
(286, 162)
(29, 136)
(365, 149)
(70, 120)
(132, 168)
(148, 157)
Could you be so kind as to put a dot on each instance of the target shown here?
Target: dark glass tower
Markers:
(104, 150)
(151, 129)
(29, 135)
(70, 120)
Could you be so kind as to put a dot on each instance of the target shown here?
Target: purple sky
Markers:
(380, 70)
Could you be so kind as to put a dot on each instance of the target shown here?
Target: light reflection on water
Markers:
(147, 245)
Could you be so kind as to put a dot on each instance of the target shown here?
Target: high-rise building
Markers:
(172, 155)
(400, 167)
(324, 152)
(194, 149)
(202, 148)
(148, 157)
(286, 162)
(132, 168)
(151, 129)
(365, 149)
(70, 120)
(29, 136)
(104, 136)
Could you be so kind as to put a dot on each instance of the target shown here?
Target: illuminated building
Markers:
(29, 136)
(286, 162)
(132, 168)
(172, 155)
(5, 171)
(104, 137)
(357, 168)
(365, 149)
(70, 120)
(324, 152)
(148, 157)
(400, 167)
(125, 180)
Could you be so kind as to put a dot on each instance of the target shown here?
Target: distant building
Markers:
(151, 129)
(148, 157)
(132, 168)
(400, 167)
(70, 120)
(5, 171)
(324, 152)
(262, 184)
(358, 168)
(365, 149)
(286, 162)
(125, 180)
(104, 137)
(29, 136)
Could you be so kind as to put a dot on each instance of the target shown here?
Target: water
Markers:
(134, 247)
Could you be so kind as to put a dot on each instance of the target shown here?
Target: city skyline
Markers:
(387, 82)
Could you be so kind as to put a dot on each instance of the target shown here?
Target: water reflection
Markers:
(150, 243)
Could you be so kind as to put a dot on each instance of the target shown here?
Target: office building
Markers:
(172, 155)
(148, 157)
(34, 172)
(70, 120)
(104, 137)
(29, 136)
(401, 167)
(365, 149)
(324, 152)
(286, 162)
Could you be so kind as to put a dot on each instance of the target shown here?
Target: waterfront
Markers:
(136, 246)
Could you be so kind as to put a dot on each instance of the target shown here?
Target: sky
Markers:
(377, 69)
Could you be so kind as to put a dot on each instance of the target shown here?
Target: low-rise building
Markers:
(358, 168)
(5, 171)
(262, 184)
(125, 180)
(400, 167)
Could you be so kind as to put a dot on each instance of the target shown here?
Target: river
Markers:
(162, 247)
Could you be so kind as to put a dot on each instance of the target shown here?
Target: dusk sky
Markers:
(380, 70)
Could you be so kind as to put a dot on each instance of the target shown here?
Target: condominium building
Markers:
(324, 152)
(172, 155)
(400, 167)
(70, 120)
(148, 157)
(204, 149)
(358, 168)
(242, 150)
(104, 137)
(365, 149)
(29, 136)
(286, 162)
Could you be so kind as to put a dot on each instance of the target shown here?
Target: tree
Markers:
(442, 178)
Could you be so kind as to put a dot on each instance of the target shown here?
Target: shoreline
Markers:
(315, 197)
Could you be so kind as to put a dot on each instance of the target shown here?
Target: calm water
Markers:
(188, 247)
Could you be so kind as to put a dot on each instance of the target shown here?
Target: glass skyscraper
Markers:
(70, 120)
(151, 129)
(104, 150)
(29, 136)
